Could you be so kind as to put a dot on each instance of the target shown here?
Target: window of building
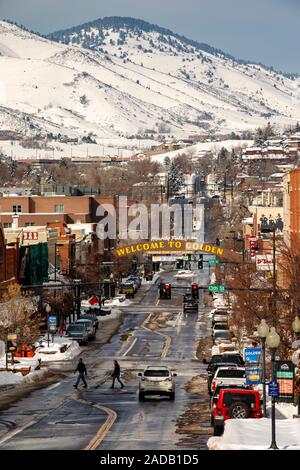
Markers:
(29, 224)
(59, 208)
(7, 225)
(17, 209)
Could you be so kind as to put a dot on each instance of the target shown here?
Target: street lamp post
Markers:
(77, 283)
(48, 310)
(273, 341)
(296, 330)
(55, 260)
(263, 330)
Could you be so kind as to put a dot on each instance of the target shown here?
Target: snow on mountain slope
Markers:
(115, 82)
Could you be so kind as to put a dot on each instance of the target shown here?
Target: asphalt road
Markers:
(59, 417)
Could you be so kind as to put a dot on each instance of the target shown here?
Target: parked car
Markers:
(220, 360)
(91, 330)
(78, 332)
(221, 386)
(219, 326)
(136, 279)
(230, 375)
(222, 336)
(157, 380)
(235, 403)
(190, 304)
(128, 288)
(93, 317)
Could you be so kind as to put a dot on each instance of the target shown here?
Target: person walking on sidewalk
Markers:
(81, 369)
(116, 374)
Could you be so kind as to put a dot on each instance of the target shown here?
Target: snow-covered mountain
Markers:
(117, 77)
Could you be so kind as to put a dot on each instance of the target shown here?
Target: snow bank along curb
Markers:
(255, 434)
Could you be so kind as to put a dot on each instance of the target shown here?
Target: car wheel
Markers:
(239, 410)
(172, 396)
(141, 396)
(218, 430)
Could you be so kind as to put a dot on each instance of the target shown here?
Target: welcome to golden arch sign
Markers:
(169, 246)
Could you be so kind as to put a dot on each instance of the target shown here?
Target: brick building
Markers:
(8, 260)
(291, 204)
(40, 210)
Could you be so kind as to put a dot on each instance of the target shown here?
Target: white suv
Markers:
(157, 380)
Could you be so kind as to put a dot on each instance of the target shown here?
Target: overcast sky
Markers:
(261, 30)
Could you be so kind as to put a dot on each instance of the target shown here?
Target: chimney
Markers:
(15, 222)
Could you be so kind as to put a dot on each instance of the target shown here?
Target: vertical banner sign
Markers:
(52, 324)
(252, 245)
(252, 364)
(285, 373)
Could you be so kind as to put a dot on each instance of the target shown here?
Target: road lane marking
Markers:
(168, 339)
(104, 428)
(12, 434)
(51, 387)
(130, 347)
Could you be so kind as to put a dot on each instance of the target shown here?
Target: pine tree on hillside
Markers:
(175, 179)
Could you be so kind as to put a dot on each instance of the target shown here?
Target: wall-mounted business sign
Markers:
(169, 246)
(264, 262)
(30, 235)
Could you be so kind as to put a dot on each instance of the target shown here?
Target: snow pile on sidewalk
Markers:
(63, 349)
(255, 434)
(10, 378)
(115, 313)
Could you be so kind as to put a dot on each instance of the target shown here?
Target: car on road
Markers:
(222, 336)
(93, 317)
(184, 274)
(189, 304)
(220, 360)
(219, 317)
(136, 279)
(229, 375)
(89, 323)
(157, 380)
(78, 332)
(219, 326)
(128, 288)
(236, 403)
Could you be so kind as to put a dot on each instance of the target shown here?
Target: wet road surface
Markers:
(59, 417)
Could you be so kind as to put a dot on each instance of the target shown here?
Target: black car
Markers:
(189, 304)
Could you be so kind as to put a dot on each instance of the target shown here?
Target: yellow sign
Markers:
(169, 246)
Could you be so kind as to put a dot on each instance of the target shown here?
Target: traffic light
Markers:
(200, 262)
(167, 289)
(195, 291)
(179, 264)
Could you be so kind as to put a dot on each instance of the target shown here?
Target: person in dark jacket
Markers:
(116, 375)
(81, 369)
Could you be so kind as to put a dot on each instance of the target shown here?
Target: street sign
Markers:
(273, 389)
(285, 372)
(252, 354)
(213, 261)
(253, 375)
(216, 288)
(52, 321)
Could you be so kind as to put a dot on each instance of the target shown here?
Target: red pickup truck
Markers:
(235, 404)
